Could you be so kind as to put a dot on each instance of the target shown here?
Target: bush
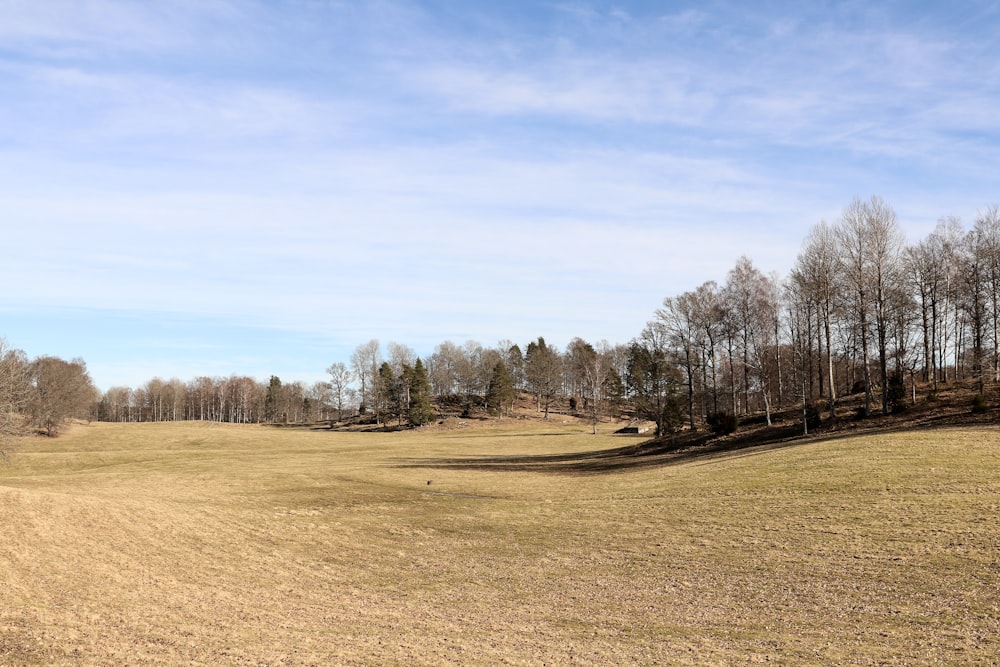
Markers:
(722, 423)
(979, 405)
(857, 388)
(896, 393)
(859, 414)
(813, 418)
(932, 396)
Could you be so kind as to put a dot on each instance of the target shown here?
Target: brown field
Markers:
(207, 544)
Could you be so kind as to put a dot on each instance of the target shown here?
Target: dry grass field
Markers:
(208, 544)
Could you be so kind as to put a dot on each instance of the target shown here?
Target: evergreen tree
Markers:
(420, 411)
(388, 397)
(614, 390)
(653, 381)
(500, 393)
(273, 401)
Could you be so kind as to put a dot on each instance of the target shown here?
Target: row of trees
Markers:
(235, 399)
(41, 393)
(470, 376)
(861, 312)
(389, 385)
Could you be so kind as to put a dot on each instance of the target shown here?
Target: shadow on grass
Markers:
(685, 448)
(648, 454)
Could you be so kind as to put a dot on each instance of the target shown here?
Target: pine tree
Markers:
(500, 392)
(420, 411)
(614, 390)
(388, 398)
(273, 401)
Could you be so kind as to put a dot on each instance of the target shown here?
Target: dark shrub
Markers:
(813, 418)
(722, 423)
(979, 405)
(857, 388)
(896, 393)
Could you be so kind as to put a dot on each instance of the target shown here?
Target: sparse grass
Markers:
(212, 544)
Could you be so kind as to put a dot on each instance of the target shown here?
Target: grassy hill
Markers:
(484, 543)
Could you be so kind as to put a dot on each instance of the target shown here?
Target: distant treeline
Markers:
(861, 311)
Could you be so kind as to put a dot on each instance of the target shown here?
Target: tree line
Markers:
(861, 312)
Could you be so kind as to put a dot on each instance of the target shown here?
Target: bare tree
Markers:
(947, 240)
(708, 314)
(114, 405)
(320, 396)
(988, 226)
(400, 355)
(365, 363)
(799, 299)
(340, 381)
(752, 304)
(442, 368)
(886, 243)
(871, 245)
(575, 362)
(817, 268)
(924, 277)
(14, 392)
(590, 365)
(980, 281)
(513, 360)
(61, 390)
(679, 319)
(471, 376)
(543, 370)
(597, 371)
(653, 379)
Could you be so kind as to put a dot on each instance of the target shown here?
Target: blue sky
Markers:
(207, 187)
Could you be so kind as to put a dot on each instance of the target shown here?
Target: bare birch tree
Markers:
(14, 393)
(679, 319)
(340, 382)
(817, 268)
(365, 363)
(543, 370)
(871, 245)
(752, 308)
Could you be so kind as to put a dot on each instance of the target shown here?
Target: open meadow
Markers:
(512, 543)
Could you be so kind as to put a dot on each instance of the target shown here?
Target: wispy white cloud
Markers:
(96, 29)
(571, 89)
(113, 110)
